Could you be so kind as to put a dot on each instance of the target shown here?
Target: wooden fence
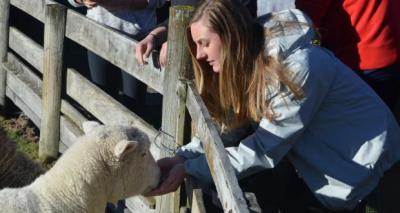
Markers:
(38, 94)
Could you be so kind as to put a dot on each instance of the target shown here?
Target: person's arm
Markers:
(156, 37)
(315, 9)
(266, 147)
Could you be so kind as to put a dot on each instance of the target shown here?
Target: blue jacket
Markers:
(340, 138)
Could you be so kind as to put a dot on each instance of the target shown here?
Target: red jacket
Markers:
(364, 34)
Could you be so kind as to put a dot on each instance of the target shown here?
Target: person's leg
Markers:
(396, 108)
(132, 88)
(388, 191)
(385, 82)
(300, 199)
(270, 186)
(103, 73)
(135, 97)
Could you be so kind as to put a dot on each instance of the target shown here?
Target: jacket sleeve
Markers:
(271, 141)
(315, 9)
(73, 3)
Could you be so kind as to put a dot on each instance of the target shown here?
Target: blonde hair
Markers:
(237, 94)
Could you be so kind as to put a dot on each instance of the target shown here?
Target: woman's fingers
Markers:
(171, 183)
(144, 48)
(147, 52)
(139, 53)
(163, 54)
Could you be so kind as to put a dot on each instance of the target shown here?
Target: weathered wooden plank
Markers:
(114, 47)
(4, 15)
(104, 107)
(23, 89)
(138, 205)
(73, 114)
(173, 110)
(26, 90)
(28, 49)
(33, 7)
(24, 72)
(52, 73)
(31, 105)
(195, 196)
(4, 26)
(224, 177)
(21, 104)
(28, 79)
(62, 147)
(69, 132)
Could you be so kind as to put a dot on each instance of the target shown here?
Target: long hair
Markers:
(236, 94)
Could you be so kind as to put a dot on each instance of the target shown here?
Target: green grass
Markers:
(23, 133)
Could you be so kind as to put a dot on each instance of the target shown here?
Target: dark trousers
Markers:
(281, 190)
(112, 79)
(386, 83)
(126, 89)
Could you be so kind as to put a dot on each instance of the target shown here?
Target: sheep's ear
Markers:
(88, 126)
(124, 147)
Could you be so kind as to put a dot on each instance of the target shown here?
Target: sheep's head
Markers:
(126, 158)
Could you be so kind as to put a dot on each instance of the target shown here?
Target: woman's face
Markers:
(208, 44)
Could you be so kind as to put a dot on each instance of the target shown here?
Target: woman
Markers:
(312, 112)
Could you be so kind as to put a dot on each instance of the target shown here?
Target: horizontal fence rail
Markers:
(28, 49)
(34, 8)
(114, 47)
(105, 42)
(103, 106)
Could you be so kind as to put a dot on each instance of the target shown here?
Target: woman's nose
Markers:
(200, 54)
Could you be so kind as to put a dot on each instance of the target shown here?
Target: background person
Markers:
(134, 18)
(365, 35)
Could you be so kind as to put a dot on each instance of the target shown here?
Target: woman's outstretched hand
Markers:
(172, 175)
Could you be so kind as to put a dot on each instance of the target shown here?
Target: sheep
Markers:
(16, 168)
(106, 164)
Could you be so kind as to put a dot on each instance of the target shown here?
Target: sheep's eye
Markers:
(143, 154)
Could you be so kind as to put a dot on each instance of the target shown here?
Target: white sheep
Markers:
(104, 165)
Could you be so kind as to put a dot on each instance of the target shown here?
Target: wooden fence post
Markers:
(178, 67)
(4, 30)
(55, 17)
